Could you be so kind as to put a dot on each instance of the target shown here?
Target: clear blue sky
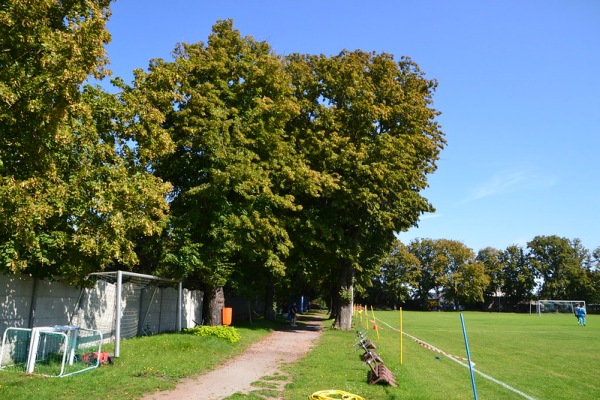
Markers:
(519, 92)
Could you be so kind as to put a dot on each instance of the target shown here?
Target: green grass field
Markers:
(522, 356)
(146, 364)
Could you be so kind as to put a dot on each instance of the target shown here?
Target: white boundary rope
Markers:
(458, 360)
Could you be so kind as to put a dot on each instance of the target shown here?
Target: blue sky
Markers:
(519, 92)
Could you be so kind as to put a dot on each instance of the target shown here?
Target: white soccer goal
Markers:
(125, 304)
(557, 306)
(56, 351)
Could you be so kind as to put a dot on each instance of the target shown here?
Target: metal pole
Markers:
(179, 306)
(118, 313)
(462, 321)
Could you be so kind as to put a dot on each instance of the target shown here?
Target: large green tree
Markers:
(75, 190)
(234, 169)
(562, 265)
(366, 124)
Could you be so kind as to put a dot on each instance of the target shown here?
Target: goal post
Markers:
(57, 351)
(126, 304)
(557, 306)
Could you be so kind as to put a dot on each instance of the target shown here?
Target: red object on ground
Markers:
(91, 358)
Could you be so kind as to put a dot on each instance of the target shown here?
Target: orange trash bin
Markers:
(227, 311)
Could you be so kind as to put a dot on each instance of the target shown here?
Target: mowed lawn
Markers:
(516, 356)
(521, 356)
(546, 356)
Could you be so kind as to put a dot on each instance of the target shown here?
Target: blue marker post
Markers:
(462, 321)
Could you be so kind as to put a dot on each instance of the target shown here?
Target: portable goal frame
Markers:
(145, 286)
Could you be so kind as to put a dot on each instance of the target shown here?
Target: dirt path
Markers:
(262, 359)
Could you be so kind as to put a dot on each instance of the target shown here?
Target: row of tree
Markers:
(229, 165)
(549, 267)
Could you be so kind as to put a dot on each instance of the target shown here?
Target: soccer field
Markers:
(516, 356)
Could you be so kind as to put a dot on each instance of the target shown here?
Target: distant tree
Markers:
(469, 283)
(560, 263)
(465, 280)
(433, 265)
(75, 192)
(518, 277)
(366, 126)
(596, 258)
(491, 259)
(448, 268)
(397, 278)
(594, 273)
(581, 284)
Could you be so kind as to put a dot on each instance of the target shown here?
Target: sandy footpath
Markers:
(264, 358)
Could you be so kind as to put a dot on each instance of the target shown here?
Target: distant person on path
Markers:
(292, 314)
(581, 315)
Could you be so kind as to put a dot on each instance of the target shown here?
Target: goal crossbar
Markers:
(572, 304)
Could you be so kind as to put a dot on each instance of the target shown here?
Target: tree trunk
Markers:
(345, 299)
(215, 301)
(269, 312)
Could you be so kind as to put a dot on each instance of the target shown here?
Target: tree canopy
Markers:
(323, 155)
(73, 193)
(550, 267)
(366, 123)
(234, 169)
(233, 165)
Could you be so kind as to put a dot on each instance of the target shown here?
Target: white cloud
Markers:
(429, 216)
(511, 181)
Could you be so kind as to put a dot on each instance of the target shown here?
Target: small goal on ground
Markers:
(55, 351)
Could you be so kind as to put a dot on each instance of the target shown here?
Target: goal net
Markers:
(56, 351)
(123, 304)
(558, 306)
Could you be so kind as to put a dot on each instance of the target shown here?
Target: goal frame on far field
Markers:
(572, 304)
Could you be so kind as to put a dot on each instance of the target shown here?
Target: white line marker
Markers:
(506, 386)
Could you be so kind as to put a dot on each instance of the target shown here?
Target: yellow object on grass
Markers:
(340, 395)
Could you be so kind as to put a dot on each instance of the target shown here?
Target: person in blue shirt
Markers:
(581, 315)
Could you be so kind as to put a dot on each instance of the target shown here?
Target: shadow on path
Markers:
(307, 322)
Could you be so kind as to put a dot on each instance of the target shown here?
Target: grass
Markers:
(544, 357)
(146, 364)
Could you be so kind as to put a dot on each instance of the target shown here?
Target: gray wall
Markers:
(27, 302)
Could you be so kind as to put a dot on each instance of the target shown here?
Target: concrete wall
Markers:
(26, 302)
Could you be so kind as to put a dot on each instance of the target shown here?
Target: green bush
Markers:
(224, 332)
